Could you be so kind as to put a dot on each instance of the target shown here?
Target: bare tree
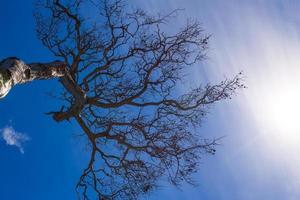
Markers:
(119, 77)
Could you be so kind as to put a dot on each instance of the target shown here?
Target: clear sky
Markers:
(259, 157)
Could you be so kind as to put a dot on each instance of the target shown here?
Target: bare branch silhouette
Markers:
(120, 75)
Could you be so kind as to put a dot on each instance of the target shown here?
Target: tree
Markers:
(119, 70)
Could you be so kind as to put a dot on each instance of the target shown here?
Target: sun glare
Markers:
(276, 107)
(274, 87)
(282, 109)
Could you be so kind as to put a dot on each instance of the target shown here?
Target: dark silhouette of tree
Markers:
(119, 72)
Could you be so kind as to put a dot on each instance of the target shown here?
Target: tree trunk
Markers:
(14, 71)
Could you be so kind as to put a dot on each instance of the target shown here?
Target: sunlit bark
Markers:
(14, 71)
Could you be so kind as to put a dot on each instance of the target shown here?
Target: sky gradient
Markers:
(259, 155)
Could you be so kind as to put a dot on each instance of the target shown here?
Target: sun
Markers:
(283, 109)
(278, 109)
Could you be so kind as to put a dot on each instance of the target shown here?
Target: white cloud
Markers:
(14, 138)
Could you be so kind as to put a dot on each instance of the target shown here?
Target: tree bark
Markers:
(14, 71)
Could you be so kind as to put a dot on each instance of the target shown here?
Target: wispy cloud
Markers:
(14, 138)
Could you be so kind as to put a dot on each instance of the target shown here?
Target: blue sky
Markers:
(259, 157)
(49, 166)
